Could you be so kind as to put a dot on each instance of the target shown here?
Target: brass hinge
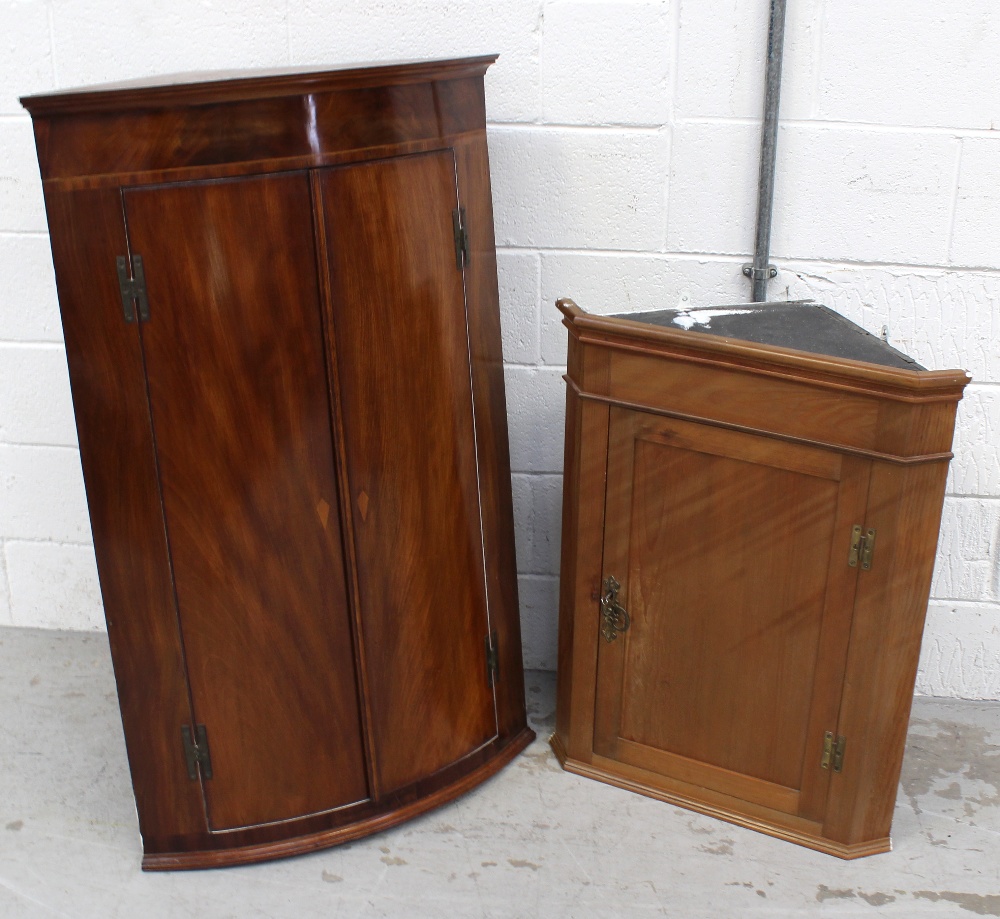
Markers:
(492, 658)
(133, 288)
(862, 547)
(196, 751)
(833, 751)
(614, 616)
(461, 238)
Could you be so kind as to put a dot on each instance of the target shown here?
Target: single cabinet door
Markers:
(402, 356)
(241, 419)
(731, 552)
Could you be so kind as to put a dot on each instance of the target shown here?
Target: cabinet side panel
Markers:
(492, 442)
(568, 564)
(398, 310)
(116, 447)
(904, 508)
(582, 548)
(907, 429)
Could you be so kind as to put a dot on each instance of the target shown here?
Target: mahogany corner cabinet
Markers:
(750, 515)
(279, 298)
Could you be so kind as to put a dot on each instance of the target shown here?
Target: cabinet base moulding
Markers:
(262, 852)
(706, 802)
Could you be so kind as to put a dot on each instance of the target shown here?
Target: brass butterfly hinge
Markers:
(132, 286)
(833, 752)
(862, 547)
(614, 616)
(196, 753)
(461, 237)
(492, 658)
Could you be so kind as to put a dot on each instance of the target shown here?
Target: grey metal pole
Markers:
(760, 271)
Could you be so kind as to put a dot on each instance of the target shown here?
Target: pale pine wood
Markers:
(905, 509)
(579, 585)
(723, 807)
(725, 543)
(733, 475)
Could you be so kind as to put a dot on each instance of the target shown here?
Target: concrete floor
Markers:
(533, 841)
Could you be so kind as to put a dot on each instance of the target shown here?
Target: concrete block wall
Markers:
(623, 138)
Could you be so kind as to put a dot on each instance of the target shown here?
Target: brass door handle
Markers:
(614, 616)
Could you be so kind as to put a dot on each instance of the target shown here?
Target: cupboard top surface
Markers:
(766, 349)
(208, 87)
(799, 324)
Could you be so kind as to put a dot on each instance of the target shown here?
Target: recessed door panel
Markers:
(402, 357)
(726, 546)
(241, 419)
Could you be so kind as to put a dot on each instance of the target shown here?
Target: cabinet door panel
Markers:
(402, 357)
(238, 396)
(732, 554)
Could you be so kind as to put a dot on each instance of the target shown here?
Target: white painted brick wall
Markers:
(961, 651)
(601, 189)
(623, 139)
(721, 49)
(919, 63)
(21, 205)
(879, 196)
(595, 55)
(37, 406)
(28, 307)
(25, 53)
(370, 30)
(974, 239)
(518, 274)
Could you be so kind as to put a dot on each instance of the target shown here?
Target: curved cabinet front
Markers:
(293, 436)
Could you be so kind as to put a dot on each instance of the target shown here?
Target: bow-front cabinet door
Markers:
(403, 371)
(241, 420)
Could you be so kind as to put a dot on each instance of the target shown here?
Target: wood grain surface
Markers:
(123, 494)
(236, 377)
(722, 542)
(398, 299)
(215, 454)
(725, 483)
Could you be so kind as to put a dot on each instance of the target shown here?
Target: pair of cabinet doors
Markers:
(733, 555)
(317, 471)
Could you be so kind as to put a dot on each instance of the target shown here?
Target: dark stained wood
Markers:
(726, 487)
(236, 375)
(303, 129)
(213, 87)
(117, 452)
(214, 452)
(486, 353)
(397, 296)
(261, 844)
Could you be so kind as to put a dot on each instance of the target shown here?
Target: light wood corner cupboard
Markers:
(279, 299)
(750, 514)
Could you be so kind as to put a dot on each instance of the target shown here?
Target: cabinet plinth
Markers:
(289, 397)
(751, 508)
